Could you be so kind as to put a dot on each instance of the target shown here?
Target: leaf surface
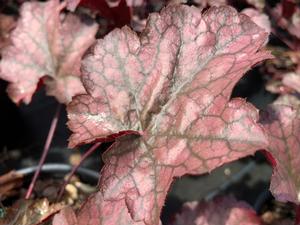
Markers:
(292, 80)
(165, 98)
(48, 45)
(259, 18)
(220, 211)
(282, 123)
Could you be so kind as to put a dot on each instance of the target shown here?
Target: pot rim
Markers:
(59, 167)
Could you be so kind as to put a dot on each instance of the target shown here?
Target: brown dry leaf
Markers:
(7, 23)
(30, 212)
(8, 183)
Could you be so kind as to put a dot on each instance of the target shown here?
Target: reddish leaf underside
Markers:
(117, 16)
(94, 4)
(46, 43)
(221, 211)
(282, 124)
(172, 86)
(290, 22)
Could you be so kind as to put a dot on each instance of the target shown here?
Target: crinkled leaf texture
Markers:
(220, 211)
(282, 124)
(49, 45)
(165, 98)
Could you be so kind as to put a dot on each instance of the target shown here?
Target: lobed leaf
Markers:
(165, 98)
(48, 45)
(282, 124)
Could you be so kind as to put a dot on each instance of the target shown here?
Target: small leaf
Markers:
(259, 18)
(65, 217)
(282, 124)
(292, 80)
(220, 211)
(165, 97)
(48, 45)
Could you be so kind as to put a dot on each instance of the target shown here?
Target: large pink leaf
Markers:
(282, 124)
(165, 97)
(221, 211)
(46, 43)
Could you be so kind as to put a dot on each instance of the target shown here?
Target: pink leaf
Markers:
(72, 4)
(168, 92)
(65, 217)
(48, 45)
(259, 18)
(292, 80)
(221, 211)
(282, 124)
(288, 99)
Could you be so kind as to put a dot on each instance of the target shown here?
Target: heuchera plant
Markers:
(163, 97)
(48, 47)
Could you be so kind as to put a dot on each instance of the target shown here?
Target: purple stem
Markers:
(74, 169)
(297, 221)
(45, 151)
